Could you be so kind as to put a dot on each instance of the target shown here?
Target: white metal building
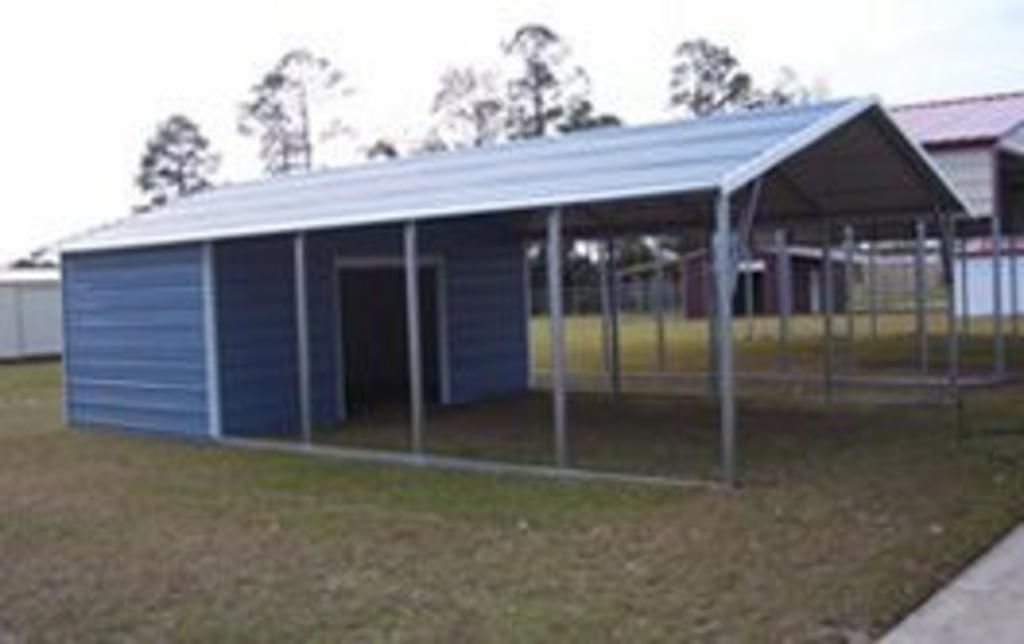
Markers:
(30, 314)
(978, 142)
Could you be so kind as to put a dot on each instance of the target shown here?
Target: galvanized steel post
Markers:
(783, 295)
(412, 316)
(604, 289)
(965, 293)
(711, 309)
(848, 286)
(748, 294)
(659, 305)
(614, 303)
(1014, 287)
(210, 339)
(952, 332)
(828, 278)
(920, 303)
(557, 325)
(998, 337)
(302, 337)
(725, 271)
(873, 286)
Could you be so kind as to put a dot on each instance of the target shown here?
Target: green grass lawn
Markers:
(895, 349)
(851, 520)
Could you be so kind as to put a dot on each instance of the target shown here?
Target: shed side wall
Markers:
(135, 344)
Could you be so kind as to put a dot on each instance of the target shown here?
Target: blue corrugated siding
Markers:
(135, 346)
(323, 331)
(257, 337)
(487, 343)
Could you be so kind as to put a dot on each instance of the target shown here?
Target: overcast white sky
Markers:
(85, 82)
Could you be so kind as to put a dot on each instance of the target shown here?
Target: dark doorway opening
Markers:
(739, 298)
(375, 343)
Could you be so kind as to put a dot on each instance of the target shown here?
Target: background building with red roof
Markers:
(978, 143)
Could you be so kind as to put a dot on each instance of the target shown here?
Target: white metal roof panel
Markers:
(689, 156)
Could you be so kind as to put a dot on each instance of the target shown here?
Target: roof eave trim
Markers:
(327, 222)
(1007, 144)
(806, 137)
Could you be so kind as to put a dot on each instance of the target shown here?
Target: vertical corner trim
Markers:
(210, 339)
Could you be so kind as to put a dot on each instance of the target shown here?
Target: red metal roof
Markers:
(974, 119)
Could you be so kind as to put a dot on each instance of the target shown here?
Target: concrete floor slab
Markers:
(984, 604)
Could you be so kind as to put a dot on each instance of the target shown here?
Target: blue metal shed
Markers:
(221, 314)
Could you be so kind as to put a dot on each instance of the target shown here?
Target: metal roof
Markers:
(976, 119)
(694, 156)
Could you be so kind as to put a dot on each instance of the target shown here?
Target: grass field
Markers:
(894, 349)
(113, 537)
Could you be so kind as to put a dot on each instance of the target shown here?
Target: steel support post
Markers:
(604, 287)
(725, 271)
(682, 288)
(415, 341)
(920, 299)
(848, 286)
(828, 279)
(952, 332)
(1011, 257)
(210, 338)
(873, 287)
(659, 305)
(557, 322)
(783, 295)
(998, 336)
(748, 295)
(302, 338)
(614, 304)
(710, 299)
(965, 293)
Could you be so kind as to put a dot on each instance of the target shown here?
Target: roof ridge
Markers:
(959, 100)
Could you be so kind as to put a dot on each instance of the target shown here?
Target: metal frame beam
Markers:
(387, 457)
